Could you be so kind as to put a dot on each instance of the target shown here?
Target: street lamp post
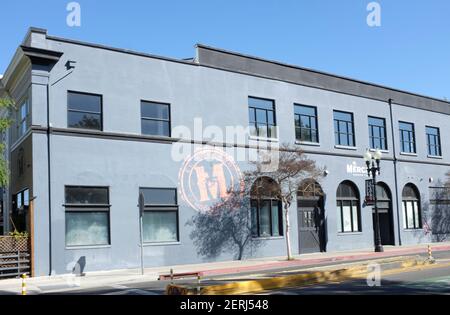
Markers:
(373, 168)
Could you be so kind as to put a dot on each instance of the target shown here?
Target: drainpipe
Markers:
(50, 256)
(49, 133)
(394, 152)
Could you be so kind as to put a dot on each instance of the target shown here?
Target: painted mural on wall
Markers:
(207, 176)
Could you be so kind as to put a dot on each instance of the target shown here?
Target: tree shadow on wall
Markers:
(225, 228)
(437, 214)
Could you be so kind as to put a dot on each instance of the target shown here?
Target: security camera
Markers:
(70, 64)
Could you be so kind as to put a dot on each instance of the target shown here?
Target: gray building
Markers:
(97, 125)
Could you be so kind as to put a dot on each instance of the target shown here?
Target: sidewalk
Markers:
(207, 270)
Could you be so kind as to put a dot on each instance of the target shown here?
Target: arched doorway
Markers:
(311, 218)
(384, 204)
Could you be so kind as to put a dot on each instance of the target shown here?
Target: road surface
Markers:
(435, 280)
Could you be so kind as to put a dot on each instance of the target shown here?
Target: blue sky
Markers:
(410, 51)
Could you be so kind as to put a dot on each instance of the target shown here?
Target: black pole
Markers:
(378, 245)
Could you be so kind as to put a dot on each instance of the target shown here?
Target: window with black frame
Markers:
(160, 219)
(23, 120)
(344, 129)
(262, 120)
(87, 211)
(412, 217)
(155, 119)
(84, 111)
(19, 213)
(306, 129)
(348, 208)
(266, 209)
(377, 133)
(407, 137)
(433, 141)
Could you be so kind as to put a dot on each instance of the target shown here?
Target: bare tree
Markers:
(291, 169)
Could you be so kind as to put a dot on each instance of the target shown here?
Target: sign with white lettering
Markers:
(356, 170)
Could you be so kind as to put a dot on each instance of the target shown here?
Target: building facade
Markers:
(96, 126)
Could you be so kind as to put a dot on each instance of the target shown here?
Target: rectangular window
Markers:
(254, 217)
(262, 120)
(266, 218)
(433, 141)
(87, 216)
(155, 119)
(275, 220)
(306, 128)
(160, 221)
(407, 137)
(348, 216)
(344, 129)
(22, 118)
(20, 208)
(377, 133)
(411, 216)
(84, 111)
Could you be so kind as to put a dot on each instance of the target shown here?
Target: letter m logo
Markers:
(211, 186)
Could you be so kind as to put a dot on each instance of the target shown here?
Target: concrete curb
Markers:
(337, 275)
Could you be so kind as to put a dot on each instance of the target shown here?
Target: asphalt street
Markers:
(434, 280)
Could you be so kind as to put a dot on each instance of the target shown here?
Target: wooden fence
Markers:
(15, 256)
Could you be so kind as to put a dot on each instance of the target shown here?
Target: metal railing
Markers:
(14, 264)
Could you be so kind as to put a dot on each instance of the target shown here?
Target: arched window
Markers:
(383, 192)
(412, 218)
(383, 197)
(266, 208)
(309, 189)
(348, 208)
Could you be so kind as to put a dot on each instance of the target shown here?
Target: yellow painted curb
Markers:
(306, 278)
